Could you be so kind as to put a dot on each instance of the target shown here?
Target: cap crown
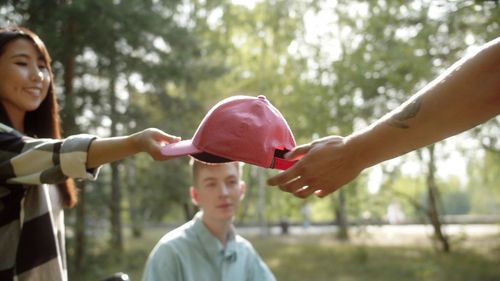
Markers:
(243, 128)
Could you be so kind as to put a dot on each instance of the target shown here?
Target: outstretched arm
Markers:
(465, 95)
(106, 150)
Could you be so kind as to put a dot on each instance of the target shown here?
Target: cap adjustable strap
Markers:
(279, 161)
(282, 164)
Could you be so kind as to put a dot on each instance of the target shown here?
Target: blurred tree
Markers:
(104, 48)
(253, 44)
(127, 65)
(456, 203)
(482, 186)
(387, 50)
(365, 82)
(434, 203)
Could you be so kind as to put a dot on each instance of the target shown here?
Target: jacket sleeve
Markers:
(25, 160)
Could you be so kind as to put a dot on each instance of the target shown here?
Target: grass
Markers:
(322, 257)
(330, 260)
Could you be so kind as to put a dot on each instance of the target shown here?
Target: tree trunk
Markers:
(80, 226)
(116, 194)
(116, 226)
(69, 127)
(137, 224)
(261, 203)
(244, 207)
(433, 198)
(341, 216)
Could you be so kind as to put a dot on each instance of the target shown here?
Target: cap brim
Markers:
(181, 148)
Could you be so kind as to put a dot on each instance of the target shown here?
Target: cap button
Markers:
(262, 97)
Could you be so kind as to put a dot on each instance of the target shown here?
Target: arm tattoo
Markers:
(405, 113)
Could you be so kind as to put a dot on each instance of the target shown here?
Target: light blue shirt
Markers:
(191, 253)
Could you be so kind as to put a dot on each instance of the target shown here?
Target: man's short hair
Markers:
(197, 165)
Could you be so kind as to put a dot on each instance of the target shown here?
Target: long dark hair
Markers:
(44, 121)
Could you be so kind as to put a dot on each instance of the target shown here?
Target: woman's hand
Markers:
(151, 140)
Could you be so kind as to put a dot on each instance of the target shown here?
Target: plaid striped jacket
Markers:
(31, 214)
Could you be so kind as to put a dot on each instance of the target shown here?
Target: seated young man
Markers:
(207, 247)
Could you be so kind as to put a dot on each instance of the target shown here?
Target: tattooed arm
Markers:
(465, 95)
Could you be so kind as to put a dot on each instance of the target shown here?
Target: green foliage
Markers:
(172, 60)
(456, 203)
(484, 176)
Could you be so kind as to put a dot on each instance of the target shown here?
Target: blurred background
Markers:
(330, 67)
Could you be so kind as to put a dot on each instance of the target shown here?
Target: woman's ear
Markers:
(194, 195)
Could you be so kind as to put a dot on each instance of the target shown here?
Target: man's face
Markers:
(218, 191)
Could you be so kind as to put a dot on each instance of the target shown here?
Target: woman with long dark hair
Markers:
(36, 165)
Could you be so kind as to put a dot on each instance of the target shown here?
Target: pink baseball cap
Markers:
(239, 128)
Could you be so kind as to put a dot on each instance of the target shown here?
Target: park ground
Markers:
(385, 252)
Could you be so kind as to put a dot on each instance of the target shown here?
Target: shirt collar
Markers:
(211, 244)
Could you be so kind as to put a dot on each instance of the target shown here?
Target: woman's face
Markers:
(24, 78)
